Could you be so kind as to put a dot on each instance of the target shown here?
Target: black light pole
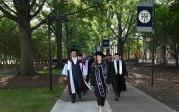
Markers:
(153, 44)
(49, 53)
(59, 18)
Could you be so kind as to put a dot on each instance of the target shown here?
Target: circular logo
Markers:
(144, 16)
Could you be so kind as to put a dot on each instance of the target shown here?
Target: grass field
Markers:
(29, 99)
(55, 71)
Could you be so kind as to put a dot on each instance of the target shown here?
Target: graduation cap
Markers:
(109, 55)
(118, 54)
(80, 54)
(99, 53)
(74, 50)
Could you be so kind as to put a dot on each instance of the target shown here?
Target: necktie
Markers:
(117, 67)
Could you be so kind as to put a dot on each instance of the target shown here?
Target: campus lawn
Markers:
(55, 71)
(29, 99)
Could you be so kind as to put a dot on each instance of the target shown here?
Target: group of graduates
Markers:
(83, 73)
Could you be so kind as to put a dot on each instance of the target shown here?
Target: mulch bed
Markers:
(33, 81)
(166, 82)
(11, 82)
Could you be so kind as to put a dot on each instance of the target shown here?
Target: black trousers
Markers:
(118, 84)
(101, 101)
(87, 78)
(73, 96)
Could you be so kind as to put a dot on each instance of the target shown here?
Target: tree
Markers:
(174, 12)
(72, 9)
(166, 29)
(23, 12)
(161, 29)
(9, 36)
(121, 21)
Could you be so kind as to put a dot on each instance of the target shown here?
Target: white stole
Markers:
(85, 68)
(68, 67)
(82, 67)
(74, 59)
(120, 67)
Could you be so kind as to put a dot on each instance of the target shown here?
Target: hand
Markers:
(108, 90)
(84, 77)
(65, 78)
(62, 79)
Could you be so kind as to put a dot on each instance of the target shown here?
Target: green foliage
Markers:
(9, 41)
(40, 43)
(90, 21)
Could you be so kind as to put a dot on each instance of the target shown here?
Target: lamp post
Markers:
(146, 23)
(153, 43)
(58, 18)
(106, 45)
(49, 53)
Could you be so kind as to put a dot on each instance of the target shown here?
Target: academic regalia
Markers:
(86, 65)
(75, 73)
(90, 62)
(98, 81)
(108, 81)
(118, 73)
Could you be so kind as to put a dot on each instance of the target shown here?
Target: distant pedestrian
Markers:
(118, 73)
(108, 61)
(90, 62)
(85, 62)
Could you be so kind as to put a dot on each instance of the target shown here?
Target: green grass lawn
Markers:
(55, 71)
(29, 100)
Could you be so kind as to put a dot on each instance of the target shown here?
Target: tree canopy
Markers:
(24, 24)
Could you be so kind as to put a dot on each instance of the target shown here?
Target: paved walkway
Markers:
(133, 100)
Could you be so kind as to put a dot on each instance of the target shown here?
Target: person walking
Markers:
(118, 73)
(98, 79)
(74, 72)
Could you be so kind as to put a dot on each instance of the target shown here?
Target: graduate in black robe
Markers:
(75, 73)
(118, 73)
(108, 61)
(90, 62)
(98, 79)
(85, 61)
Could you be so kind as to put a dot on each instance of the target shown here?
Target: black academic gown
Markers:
(108, 81)
(77, 77)
(98, 81)
(118, 80)
(90, 62)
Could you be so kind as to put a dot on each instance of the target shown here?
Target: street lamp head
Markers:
(62, 18)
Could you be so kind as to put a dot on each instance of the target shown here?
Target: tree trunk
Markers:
(164, 53)
(67, 40)
(128, 54)
(120, 46)
(177, 50)
(26, 49)
(120, 43)
(59, 43)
